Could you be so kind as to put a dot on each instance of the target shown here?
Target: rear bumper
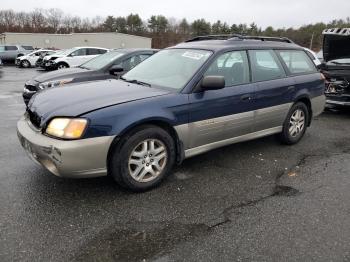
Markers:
(75, 158)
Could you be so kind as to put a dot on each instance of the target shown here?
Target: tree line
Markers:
(164, 31)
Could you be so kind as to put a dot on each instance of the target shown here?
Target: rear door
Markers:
(274, 90)
(11, 52)
(217, 115)
(305, 75)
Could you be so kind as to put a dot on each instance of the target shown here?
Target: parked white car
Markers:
(30, 59)
(72, 57)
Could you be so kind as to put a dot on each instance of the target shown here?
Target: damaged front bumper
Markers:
(337, 91)
(73, 158)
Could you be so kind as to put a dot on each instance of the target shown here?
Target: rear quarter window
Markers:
(297, 61)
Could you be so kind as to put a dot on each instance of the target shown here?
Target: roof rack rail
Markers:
(268, 38)
(240, 37)
(211, 37)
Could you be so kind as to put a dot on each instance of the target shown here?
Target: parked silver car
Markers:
(9, 53)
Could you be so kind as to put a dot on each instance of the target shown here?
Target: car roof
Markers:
(129, 50)
(97, 47)
(217, 43)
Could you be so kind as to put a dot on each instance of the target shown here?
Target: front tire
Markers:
(25, 64)
(295, 124)
(142, 158)
(62, 66)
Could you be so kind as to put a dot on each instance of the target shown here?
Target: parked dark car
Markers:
(112, 64)
(181, 102)
(336, 66)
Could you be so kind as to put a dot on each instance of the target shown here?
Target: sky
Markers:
(277, 13)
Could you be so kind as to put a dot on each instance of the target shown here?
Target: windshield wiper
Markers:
(135, 81)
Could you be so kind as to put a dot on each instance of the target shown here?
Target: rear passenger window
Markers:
(297, 61)
(11, 48)
(2, 48)
(233, 66)
(265, 65)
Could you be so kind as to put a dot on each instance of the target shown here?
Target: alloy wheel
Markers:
(147, 160)
(61, 66)
(25, 64)
(297, 123)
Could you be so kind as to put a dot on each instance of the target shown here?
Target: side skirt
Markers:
(204, 148)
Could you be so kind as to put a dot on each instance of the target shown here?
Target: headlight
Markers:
(55, 83)
(68, 128)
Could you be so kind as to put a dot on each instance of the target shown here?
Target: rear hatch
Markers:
(336, 53)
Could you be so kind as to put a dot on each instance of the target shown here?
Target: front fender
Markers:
(117, 120)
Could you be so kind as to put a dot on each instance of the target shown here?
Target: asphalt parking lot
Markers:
(254, 201)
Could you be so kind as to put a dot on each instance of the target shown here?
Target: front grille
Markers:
(34, 118)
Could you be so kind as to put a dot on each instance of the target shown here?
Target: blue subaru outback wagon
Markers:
(185, 100)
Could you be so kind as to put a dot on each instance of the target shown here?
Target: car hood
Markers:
(61, 74)
(336, 47)
(77, 99)
(23, 57)
(48, 57)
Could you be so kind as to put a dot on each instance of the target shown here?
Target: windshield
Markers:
(33, 53)
(102, 60)
(170, 69)
(27, 47)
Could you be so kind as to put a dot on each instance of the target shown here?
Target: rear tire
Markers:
(143, 158)
(295, 125)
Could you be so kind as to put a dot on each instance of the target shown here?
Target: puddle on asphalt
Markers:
(115, 244)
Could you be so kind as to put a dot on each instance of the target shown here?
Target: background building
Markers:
(63, 41)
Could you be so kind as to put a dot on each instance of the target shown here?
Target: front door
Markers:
(217, 115)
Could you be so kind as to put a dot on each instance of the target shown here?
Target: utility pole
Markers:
(312, 41)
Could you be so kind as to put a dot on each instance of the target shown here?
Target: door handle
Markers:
(291, 88)
(246, 97)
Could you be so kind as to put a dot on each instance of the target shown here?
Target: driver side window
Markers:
(233, 66)
(79, 52)
(131, 62)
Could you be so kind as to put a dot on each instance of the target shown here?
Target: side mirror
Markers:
(114, 70)
(212, 83)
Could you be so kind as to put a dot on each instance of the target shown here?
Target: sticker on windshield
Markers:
(193, 55)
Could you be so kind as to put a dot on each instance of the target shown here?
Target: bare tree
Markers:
(38, 20)
(54, 18)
